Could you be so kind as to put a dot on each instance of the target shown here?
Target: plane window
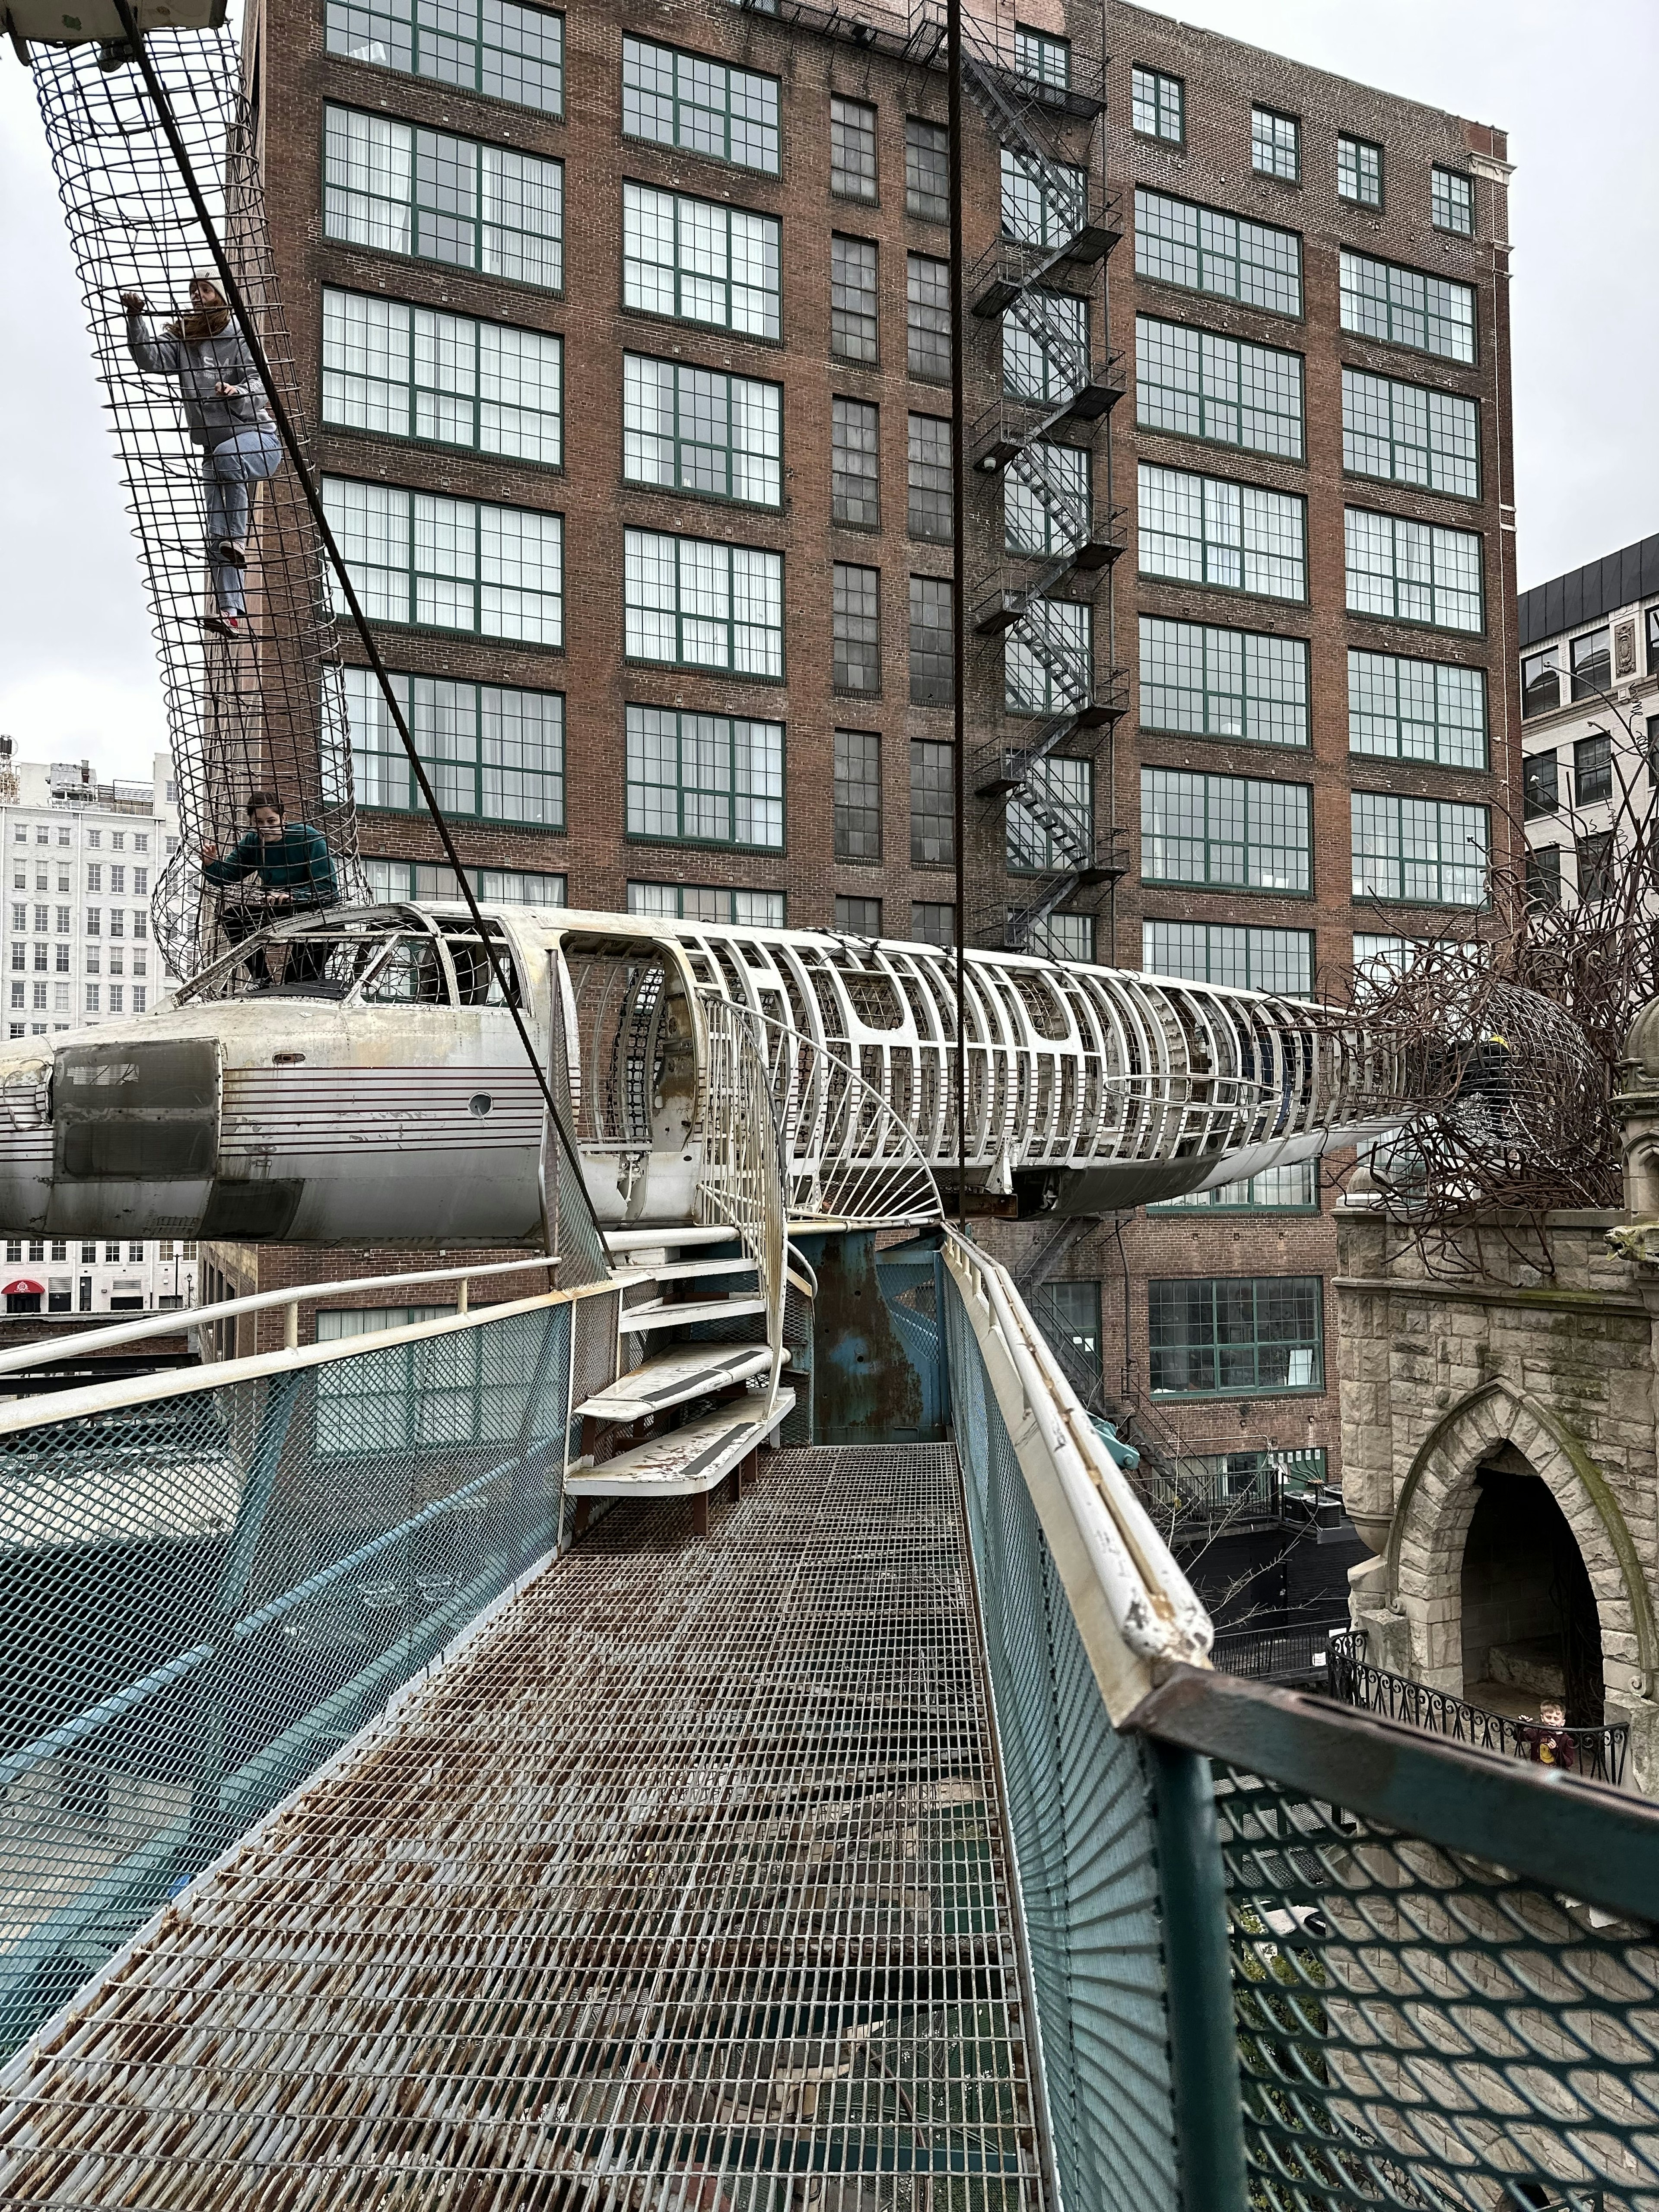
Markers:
(477, 983)
(409, 974)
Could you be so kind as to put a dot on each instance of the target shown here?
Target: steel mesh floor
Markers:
(686, 1887)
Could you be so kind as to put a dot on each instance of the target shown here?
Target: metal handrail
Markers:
(740, 1180)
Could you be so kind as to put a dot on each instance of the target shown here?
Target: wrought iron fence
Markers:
(1597, 1754)
(1300, 1652)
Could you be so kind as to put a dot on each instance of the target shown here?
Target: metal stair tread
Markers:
(663, 1314)
(669, 1378)
(676, 1271)
(686, 1461)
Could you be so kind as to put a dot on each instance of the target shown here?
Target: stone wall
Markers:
(1529, 1348)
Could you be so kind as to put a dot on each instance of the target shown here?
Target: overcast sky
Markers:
(1572, 86)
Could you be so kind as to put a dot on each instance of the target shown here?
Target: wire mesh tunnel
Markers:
(232, 563)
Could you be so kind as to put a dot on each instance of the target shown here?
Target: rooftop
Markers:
(1600, 587)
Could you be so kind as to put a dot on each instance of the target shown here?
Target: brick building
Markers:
(631, 330)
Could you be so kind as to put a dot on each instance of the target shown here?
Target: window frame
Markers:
(1397, 523)
(844, 924)
(1043, 40)
(1215, 1343)
(1540, 784)
(436, 762)
(716, 65)
(412, 208)
(1370, 146)
(1389, 337)
(731, 549)
(841, 637)
(1162, 82)
(946, 691)
(1549, 659)
(1077, 804)
(840, 239)
(1207, 632)
(1275, 115)
(915, 326)
(341, 523)
(945, 491)
(937, 776)
(732, 892)
(476, 90)
(847, 783)
(1203, 397)
(1361, 803)
(914, 193)
(771, 228)
(840, 401)
(1397, 662)
(1245, 588)
(1249, 843)
(682, 487)
(1436, 197)
(1604, 658)
(1394, 386)
(1592, 765)
(873, 198)
(478, 325)
(1214, 1201)
(1237, 257)
(731, 794)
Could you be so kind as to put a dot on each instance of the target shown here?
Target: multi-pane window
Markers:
(927, 316)
(492, 754)
(858, 917)
(1293, 1189)
(704, 778)
(1043, 57)
(702, 106)
(932, 662)
(1592, 855)
(851, 149)
(1208, 251)
(1540, 682)
(701, 261)
(410, 372)
(930, 507)
(1279, 960)
(853, 327)
(855, 464)
(1033, 523)
(1413, 571)
(1359, 171)
(1201, 681)
(1225, 830)
(858, 795)
(1430, 852)
(1229, 1334)
(933, 804)
(441, 198)
(1451, 201)
(1207, 529)
(1406, 434)
(451, 563)
(696, 430)
(696, 603)
(1421, 710)
(1275, 145)
(1200, 385)
(1540, 784)
(855, 628)
(715, 902)
(1544, 876)
(1408, 308)
(1043, 202)
(1046, 365)
(1062, 935)
(933, 921)
(1591, 663)
(926, 170)
(1030, 683)
(493, 46)
(1592, 769)
(1064, 829)
(1158, 105)
(420, 879)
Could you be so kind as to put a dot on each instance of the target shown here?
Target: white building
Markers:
(76, 1274)
(81, 859)
(1589, 701)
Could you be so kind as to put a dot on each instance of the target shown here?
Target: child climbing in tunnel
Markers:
(277, 869)
(225, 409)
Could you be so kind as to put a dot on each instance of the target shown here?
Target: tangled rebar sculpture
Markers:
(264, 710)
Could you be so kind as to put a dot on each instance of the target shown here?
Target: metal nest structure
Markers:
(262, 709)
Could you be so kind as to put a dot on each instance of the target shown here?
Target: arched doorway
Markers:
(1531, 1628)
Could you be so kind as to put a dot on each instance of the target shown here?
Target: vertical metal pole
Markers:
(958, 575)
(1198, 1982)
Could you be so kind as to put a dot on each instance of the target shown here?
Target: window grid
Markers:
(1158, 105)
(1229, 1334)
(701, 262)
(855, 464)
(705, 779)
(492, 755)
(1406, 434)
(437, 197)
(933, 657)
(1043, 57)
(851, 149)
(1593, 860)
(1293, 1189)
(694, 603)
(1208, 530)
(404, 371)
(1420, 710)
(1045, 367)
(1200, 681)
(858, 917)
(933, 921)
(1590, 658)
(1408, 308)
(1043, 202)
(1592, 770)
(928, 317)
(1207, 250)
(1224, 830)
(855, 625)
(715, 902)
(858, 795)
(930, 509)
(1451, 201)
(926, 171)
(853, 325)
(1544, 876)
(1540, 784)
(494, 47)
(1029, 523)
(1413, 571)
(418, 879)
(703, 106)
(1425, 852)
(1275, 145)
(1359, 171)
(1063, 935)
(1065, 787)
(933, 804)
(1540, 682)
(1199, 384)
(1030, 686)
(696, 430)
(450, 564)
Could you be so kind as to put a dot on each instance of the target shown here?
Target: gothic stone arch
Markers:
(1432, 1519)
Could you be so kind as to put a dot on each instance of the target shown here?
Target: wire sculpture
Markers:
(244, 625)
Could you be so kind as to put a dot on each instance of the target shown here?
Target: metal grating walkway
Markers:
(684, 1887)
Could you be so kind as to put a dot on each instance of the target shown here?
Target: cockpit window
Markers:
(477, 983)
(410, 973)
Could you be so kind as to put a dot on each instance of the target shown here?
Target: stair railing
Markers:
(740, 1180)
